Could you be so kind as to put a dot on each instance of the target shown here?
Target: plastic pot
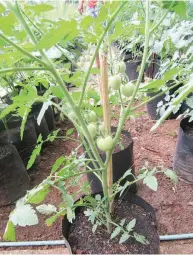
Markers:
(14, 180)
(25, 146)
(146, 225)
(132, 67)
(43, 127)
(183, 156)
(122, 161)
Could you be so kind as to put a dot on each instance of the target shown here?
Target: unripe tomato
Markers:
(115, 82)
(122, 67)
(92, 129)
(92, 116)
(127, 89)
(105, 144)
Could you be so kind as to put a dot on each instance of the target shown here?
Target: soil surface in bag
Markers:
(83, 241)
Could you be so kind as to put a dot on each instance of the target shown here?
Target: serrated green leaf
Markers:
(9, 234)
(122, 222)
(66, 30)
(115, 232)
(39, 140)
(151, 182)
(86, 22)
(38, 194)
(51, 220)
(68, 199)
(131, 225)
(169, 74)
(23, 215)
(53, 135)
(57, 92)
(7, 110)
(70, 131)
(154, 85)
(46, 209)
(33, 156)
(90, 199)
(125, 236)
(38, 8)
(141, 238)
(58, 163)
(172, 175)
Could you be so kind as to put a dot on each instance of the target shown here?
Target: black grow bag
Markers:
(14, 180)
(122, 161)
(25, 146)
(183, 157)
(135, 201)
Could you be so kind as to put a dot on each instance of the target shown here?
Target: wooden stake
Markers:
(106, 110)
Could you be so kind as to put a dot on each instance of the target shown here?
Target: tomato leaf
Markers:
(116, 232)
(151, 182)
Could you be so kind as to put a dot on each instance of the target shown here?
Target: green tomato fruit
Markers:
(127, 89)
(115, 82)
(91, 117)
(105, 144)
(92, 129)
(122, 67)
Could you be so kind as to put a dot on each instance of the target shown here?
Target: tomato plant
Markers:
(28, 46)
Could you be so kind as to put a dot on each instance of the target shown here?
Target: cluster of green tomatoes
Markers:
(104, 143)
(115, 81)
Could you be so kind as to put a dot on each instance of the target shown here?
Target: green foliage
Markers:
(63, 49)
(35, 152)
(38, 194)
(9, 234)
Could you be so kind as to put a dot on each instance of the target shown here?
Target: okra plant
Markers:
(26, 37)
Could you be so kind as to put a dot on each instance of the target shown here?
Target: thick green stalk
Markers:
(97, 49)
(21, 69)
(145, 53)
(21, 49)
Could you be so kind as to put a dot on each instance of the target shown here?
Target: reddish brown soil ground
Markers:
(173, 205)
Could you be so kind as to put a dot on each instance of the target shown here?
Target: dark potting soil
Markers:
(83, 241)
(189, 130)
